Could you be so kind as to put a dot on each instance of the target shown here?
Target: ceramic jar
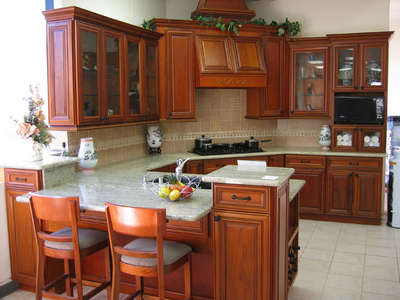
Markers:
(154, 139)
(325, 137)
(87, 154)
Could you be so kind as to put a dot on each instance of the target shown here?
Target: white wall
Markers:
(180, 9)
(320, 17)
(130, 11)
(394, 60)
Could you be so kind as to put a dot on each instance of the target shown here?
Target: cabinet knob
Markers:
(356, 175)
(356, 87)
(362, 87)
(217, 218)
(21, 179)
(292, 111)
(101, 118)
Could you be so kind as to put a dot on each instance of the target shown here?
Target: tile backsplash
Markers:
(220, 115)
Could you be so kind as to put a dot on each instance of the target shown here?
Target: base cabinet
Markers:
(340, 192)
(242, 260)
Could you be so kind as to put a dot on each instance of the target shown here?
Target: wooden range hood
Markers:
(227, 9)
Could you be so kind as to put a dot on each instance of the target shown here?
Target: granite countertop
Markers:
(48, 162)
(295, 185)
(122, 183)
(236, 175)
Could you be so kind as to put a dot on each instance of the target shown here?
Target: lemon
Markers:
(164, 192)
(180, 183)
(174, 195)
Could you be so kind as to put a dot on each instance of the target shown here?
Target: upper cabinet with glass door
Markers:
(97, 70)
(360, 61)
(308, 84)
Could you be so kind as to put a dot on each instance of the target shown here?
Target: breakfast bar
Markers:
(222, 228)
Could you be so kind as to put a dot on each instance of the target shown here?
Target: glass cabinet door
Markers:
(135, 98)
(345, 77)
(344, 139)
(372, 139)
(112, 65)
(310, 83)
(151, 81)
(372, 67)
(89, 85)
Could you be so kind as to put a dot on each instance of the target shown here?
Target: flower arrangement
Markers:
(34, 126)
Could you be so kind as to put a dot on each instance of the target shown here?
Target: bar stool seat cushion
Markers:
(87, 238)
(173, 251)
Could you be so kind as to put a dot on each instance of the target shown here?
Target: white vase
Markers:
(325, 137)
(37, 151)
(87, 154)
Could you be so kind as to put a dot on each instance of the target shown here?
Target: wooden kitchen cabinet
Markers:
(312, 170)
(194, 167)
(242, 256)
(360, 62)
(308, 95)
(250, 224)
(269, 101)
(358, 138)
(100, 70)
(354, 188)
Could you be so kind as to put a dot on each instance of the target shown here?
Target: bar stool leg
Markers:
(40, 272)
(188, 278)
(78, 276)
(116, 277)
(68, 285)
(108, 270)
(139, 287)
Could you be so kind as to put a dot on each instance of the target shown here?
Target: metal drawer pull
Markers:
(305, 161)
(217, 218)
(21, 179)
(234, 197)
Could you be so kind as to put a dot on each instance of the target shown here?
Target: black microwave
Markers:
(359, 109)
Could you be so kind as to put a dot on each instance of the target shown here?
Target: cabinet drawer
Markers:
(243, 197)
(355, 163)
(23, 179)
(211, 165)
(305, 161)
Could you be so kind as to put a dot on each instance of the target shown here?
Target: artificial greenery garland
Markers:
(293, 28)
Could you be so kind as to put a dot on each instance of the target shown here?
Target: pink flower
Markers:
(25, 130)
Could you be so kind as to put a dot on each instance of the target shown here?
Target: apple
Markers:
(186, 191)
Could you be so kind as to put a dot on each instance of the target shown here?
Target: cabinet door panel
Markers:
(21, 236)
(240, 238)
(249, 55)
(345, 74)
(113, 84)
(312, 195)
(180, 72)
(215, 54)
(60, 87)
(373, 66)
(339, 200)
(368, 194)
(151, 78)
(89, 72)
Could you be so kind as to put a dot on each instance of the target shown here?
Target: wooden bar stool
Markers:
(148, 255)
(70, 243)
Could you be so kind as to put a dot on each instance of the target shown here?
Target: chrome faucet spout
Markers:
(180, 163)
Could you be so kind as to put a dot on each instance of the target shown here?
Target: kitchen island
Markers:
(192, 221)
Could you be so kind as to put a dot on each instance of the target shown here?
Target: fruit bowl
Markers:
(168, 187)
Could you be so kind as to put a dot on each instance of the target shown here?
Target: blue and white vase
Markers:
(325, 137)
(87, 154)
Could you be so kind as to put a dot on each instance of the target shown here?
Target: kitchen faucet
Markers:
(180, 163)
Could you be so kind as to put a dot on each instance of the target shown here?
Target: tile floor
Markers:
(338, 262)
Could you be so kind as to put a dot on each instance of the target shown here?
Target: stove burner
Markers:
(218, 149)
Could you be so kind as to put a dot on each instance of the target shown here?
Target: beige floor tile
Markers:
(380, 242)
(322, 244)
(383, 287)
(314, 265)
(344, 282)
(348, 247)
(20, 295)
(379, 261)
(318, 254)
(311, 280)
(304, 293)
(352, 238)
(382, 272)
(381, 251)
(346, 269)
(370, 296)
(349, 258)
(339, 294)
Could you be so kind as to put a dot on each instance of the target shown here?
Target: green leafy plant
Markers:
(148, 24)
(232, 26)
(293, 28)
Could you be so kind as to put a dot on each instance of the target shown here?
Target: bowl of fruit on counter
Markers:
(169, 187)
